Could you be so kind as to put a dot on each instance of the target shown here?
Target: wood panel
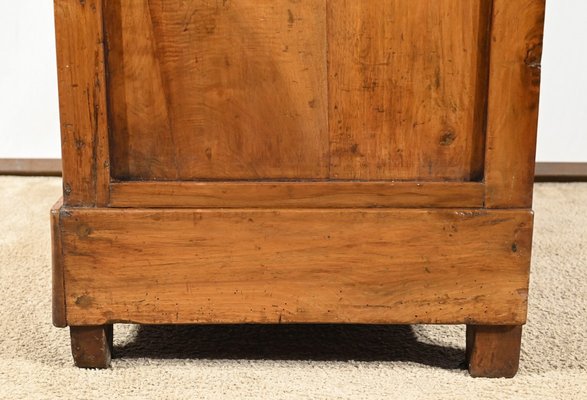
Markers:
(283, 266)
(514, 85)
(297, 194)
(82, 102)
(407, 84)
(229, 90)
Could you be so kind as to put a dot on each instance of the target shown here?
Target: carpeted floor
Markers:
(289, 362)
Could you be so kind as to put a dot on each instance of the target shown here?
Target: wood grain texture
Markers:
(82, 102)
(493, 351)
(285, 266)
(218, 90)
(514, 84)
(407, 88)
(57, 278)
(297, 194)
(91, 346)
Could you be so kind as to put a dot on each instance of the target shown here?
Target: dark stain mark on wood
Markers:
(437, 78)
(447, 138)
(533, 62)
(376, 306)
(290, 18)
(66, 189)
(534, 56)
(514, 247)
(83, 231)
(370, 85)
(84, 301)
(523, 292)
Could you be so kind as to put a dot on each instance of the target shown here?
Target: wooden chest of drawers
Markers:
(316, 161)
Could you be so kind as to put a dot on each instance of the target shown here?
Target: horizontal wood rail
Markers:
(296, 194)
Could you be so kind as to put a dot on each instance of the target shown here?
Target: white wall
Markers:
(29, 126)
(29, 121)
(562, 133)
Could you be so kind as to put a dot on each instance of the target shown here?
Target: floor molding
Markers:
(561, 172)
(30, 166)
(545, 171)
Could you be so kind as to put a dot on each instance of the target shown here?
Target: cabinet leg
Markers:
(91, 346)
(493, 351)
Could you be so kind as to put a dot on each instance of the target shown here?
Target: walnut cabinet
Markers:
(311, 161)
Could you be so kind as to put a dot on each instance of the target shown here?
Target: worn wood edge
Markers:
(58, 276)
(297, 194)
(515, 318)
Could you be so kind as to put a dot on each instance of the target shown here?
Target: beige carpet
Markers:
(289, 362)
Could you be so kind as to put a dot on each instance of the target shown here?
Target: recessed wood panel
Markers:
(271, 266)
(407, 84)
(217, 89)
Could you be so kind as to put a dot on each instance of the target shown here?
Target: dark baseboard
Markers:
(545, 172)
(561, 172)
(30, 166)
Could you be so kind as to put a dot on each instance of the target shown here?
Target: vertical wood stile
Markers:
(512, 118)
(82, 101)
